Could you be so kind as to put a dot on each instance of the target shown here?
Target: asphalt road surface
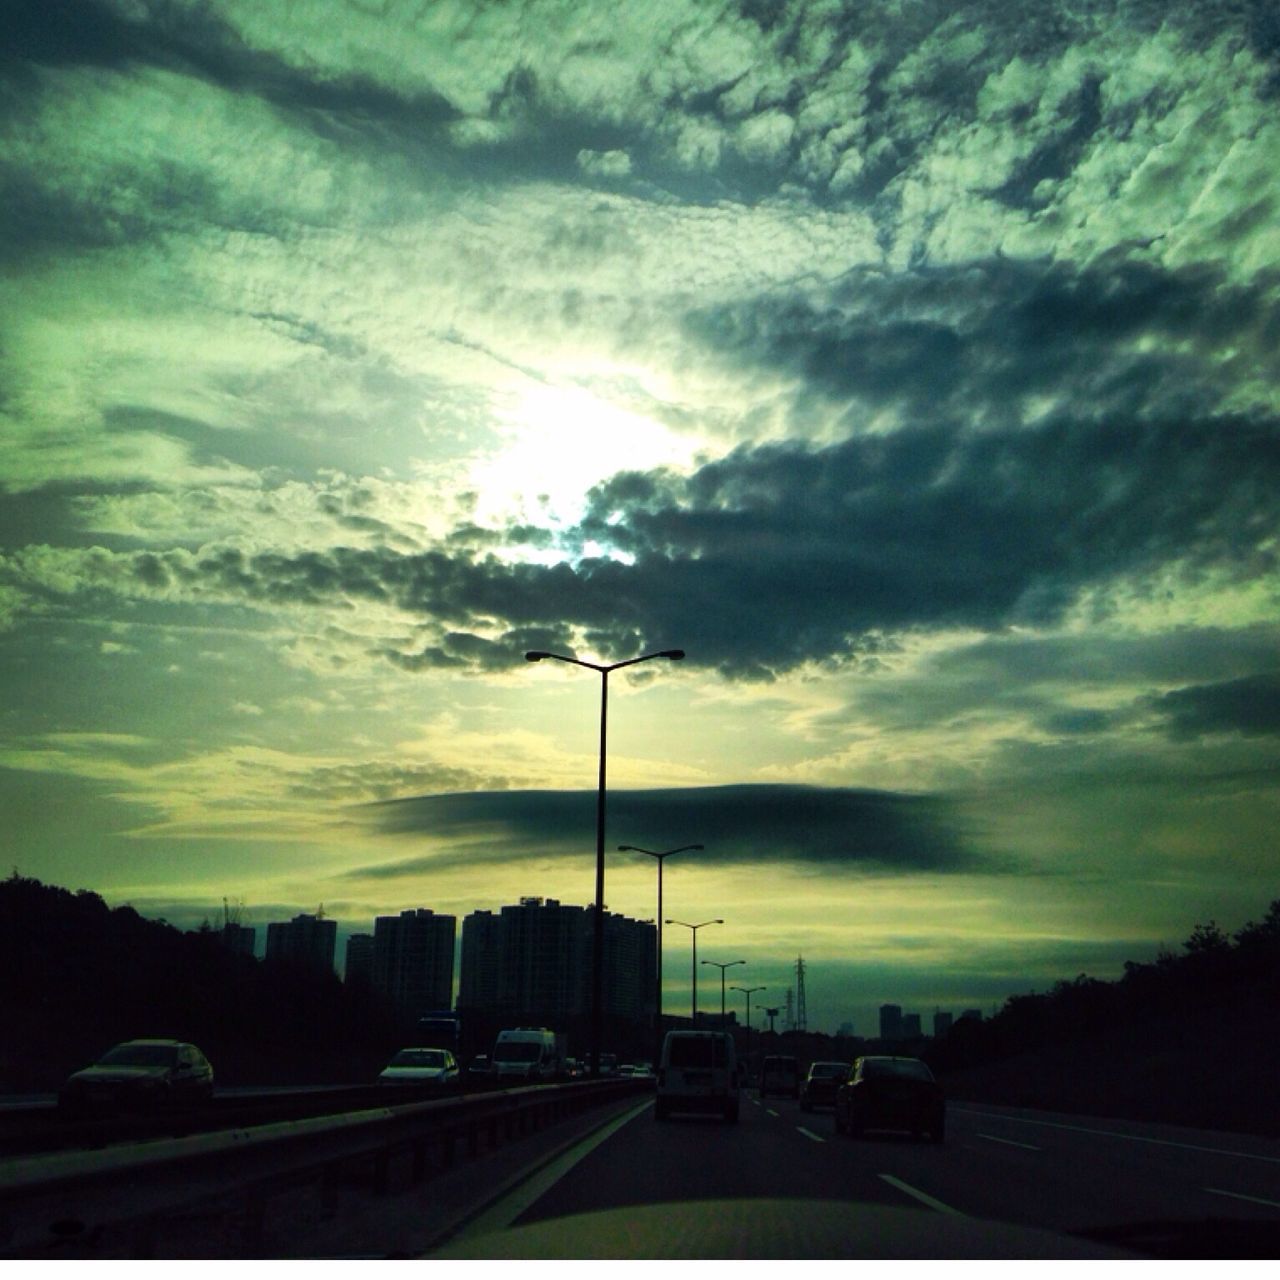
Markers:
(1065, 1174)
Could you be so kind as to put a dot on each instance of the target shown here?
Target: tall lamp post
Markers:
(746, 991)
(597, 941)
(657, 1004)
(693, 928)
(722, 967)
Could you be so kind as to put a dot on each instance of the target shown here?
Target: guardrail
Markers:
(53, 1201)
(30, 1130)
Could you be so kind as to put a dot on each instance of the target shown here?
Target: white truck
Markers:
(528, 1054)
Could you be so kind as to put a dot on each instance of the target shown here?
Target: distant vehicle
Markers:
(819, 1088)
(781, 1075)
(432, 1068)
(529, 1054)
(574, 1069)
(891, 1093)
(608, 1064)
(439, 1030)
(480, 1065)
(141, 1073)
(698, 1072)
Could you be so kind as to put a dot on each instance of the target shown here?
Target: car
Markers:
(780, 1074)
(891, 1093)
(432, 1068)
(480, 1065)
(141, 1074)
(819, 1088)
(698, 1072)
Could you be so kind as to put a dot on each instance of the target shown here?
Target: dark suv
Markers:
(781, 1075)
(820, 1085)
(891, 1093)
(141, 1073)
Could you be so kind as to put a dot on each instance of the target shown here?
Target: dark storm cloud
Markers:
(1249, 706)
(818, 827)
(1026, 675)
(931, 526)
(193, 40)
(785, 554)
(1119, 336)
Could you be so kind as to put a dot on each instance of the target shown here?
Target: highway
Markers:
(782, 1178)
(1065, 1174)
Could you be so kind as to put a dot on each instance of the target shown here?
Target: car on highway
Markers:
(891, 1093)
(140, 1074)
(698, 1072)
(430, 1068)
(821, 1082)
(780, 1074)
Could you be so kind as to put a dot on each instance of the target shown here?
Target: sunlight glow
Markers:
(559, 441)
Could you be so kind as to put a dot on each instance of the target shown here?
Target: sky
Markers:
(913, 366)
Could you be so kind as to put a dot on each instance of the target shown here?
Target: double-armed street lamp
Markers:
(746, 991)
(722, 967)
(657, 1006)
(693, 928)
(597, 941)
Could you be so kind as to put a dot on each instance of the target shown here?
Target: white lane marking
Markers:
(769, 1111)
(1008, 1142)
(920, 1195)
(1129, 1137)
(1235, 1195)
(801, 1129)
(506, 1210)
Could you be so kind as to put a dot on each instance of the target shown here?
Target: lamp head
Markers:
(674, 654)
(535, 655)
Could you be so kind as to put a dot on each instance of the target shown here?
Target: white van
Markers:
(528, 1053)
(698, 1072)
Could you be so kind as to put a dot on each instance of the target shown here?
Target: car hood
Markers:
(413, 1073)
(782, 1229)
(118, 1075)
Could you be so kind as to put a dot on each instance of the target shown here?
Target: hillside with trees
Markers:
(77, 977)
(1190, 1039)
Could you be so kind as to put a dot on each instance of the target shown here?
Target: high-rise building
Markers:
(478, 983)
(911, 1026)
(532, 961)
(413, 961)
(359, 966)
(544, 959)
(972, 1013)
(941, 1024)
(238, 938)
(890, 1022)
(305, 941)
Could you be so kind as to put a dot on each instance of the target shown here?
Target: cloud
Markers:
(785, 554)
(1249, 706)
(822, 828)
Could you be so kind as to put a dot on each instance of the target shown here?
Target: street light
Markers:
(694, 929)
(661, 857)
(722, 967)
(597, 941)
(746, 991)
